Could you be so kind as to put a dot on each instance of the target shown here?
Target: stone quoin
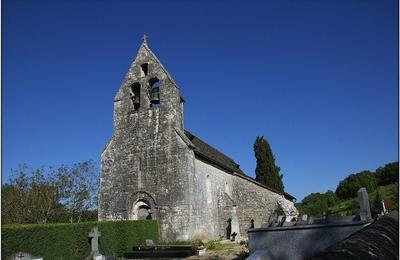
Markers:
(152, 168)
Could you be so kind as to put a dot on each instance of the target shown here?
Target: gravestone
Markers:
(365, 210)
(150, 243)
(94, 236)
(272, 219)
(24, 256)
(384, 211)
(257, 223)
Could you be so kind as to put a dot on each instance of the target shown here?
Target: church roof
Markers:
(210, 153)
(216, 157)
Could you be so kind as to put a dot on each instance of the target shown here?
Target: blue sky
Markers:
(318, 79)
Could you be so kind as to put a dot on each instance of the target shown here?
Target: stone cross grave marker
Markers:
(20, 256)
(24, 256)
(95, 234)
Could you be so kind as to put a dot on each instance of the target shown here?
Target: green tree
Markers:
(267, 172)
(29, 197)
(377, 201)
(316, 204)
(348, 187)
(388, 174)
(52, 195)
(79, 187)
(43, 197)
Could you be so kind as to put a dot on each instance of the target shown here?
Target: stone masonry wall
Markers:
(145, 159)
(221, 195)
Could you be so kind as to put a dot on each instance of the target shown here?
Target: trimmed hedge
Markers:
(70, 241)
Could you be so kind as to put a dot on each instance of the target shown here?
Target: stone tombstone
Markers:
(94, 236)
(272, 219)
(365, 210)
(257, 223)
(384, 211)
(150, 243)
(24, 256)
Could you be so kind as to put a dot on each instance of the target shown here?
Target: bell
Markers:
(155, 96)
(135, 99)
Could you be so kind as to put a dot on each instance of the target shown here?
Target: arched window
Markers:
(135, 95)
(144, 69)
(154, 92)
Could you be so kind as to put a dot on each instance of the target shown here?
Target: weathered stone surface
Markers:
(380, 240)
(151, 168)
(288, 208)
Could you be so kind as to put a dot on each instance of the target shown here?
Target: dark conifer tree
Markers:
(267, 172)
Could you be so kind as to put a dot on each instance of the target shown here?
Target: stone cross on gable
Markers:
(95, 234)
(144, 38)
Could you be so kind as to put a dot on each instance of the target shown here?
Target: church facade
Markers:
(152, 168)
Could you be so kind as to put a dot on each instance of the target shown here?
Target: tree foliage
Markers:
(78, 187)
(348, 187)
(388, 174)
(267, 172)
(346, 192)
(50, 195)
(316, 204)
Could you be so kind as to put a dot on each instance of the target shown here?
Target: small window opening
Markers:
(154, 92)
(144, 69)
(135, 95)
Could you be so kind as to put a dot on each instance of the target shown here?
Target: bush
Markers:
(388, 174)
(316, 203)
(70, 241)
(348, 187)
(210, 245)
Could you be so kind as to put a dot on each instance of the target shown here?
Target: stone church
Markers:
(153, 168)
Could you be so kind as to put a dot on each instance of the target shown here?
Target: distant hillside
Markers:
(383, 183)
